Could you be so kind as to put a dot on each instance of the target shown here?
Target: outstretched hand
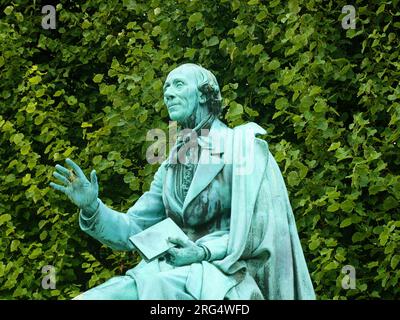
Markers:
(186, 252)
(75, 185)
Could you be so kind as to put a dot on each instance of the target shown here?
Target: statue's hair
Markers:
(208, 85)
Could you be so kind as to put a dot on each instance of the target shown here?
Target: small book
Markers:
(153, 242)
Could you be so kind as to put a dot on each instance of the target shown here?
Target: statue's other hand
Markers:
(75, 185)
(186, 252)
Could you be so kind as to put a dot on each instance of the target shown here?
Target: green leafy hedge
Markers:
(92, 88)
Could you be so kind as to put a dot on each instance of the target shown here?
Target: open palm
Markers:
(75, 185)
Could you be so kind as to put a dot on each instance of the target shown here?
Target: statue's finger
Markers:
(169, 259)
(93, 178)
(64, 171)
(172, 240)
(61, 178)
(58, 187)
(178, 241)
(172, 252)
(76, 168)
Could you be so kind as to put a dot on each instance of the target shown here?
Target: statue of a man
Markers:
(231, 202)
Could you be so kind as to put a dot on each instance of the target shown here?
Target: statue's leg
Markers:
(117, 288)
(167, 283)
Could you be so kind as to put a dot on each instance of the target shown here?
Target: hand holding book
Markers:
(186, 252)
(167, 239)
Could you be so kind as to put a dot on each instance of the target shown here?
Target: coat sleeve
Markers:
(216, 244)
(114, 228)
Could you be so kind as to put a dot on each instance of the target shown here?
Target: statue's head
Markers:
(191, 90)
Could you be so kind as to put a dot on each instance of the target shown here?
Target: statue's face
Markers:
(181, 95)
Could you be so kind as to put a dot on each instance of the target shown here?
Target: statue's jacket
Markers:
(237, 207)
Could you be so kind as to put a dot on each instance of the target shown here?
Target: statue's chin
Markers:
(177, 118)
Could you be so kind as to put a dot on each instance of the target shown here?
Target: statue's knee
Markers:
(79, 297)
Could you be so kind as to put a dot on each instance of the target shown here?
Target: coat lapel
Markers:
(211, 162)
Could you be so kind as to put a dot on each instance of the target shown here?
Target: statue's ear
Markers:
(202, 98)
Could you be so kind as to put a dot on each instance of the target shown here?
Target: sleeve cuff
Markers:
(216, 248)
(87, 220)
(206, 251)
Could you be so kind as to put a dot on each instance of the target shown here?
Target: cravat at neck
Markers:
(192, 136)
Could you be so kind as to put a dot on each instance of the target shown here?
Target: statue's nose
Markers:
(168, 94)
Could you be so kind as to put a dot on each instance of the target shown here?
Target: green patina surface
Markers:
(243, 241)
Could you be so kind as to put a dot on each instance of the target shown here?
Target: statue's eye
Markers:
(179, 84)
(166, 86)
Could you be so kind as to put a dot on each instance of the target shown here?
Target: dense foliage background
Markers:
(92, 88)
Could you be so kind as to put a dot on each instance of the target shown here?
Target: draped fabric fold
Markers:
(263, 239)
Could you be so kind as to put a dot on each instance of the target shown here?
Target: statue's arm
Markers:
(114, 228)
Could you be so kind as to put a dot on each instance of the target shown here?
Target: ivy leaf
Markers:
(281, 103)
(235, 110)
(334, 146)
(346, 222)
(98, 78)
(86, 24)
(35, 80)
(333, 207)
(347, 206)
(314, 244)
(71, 100)
(332, 265)
(196, 17)
(293, 178)
(213, 41)
(394, 261)
(35, 253)
(257, 49)
(14, 245)
(358, 236)
(4, 218)
(8, 10)
(390, 203)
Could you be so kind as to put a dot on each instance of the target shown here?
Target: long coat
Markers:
(248, 228)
